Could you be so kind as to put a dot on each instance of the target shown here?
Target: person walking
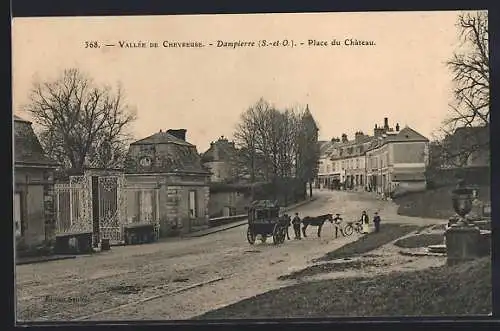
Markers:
(364, 221)
(337, 221)
(296, 226)
(376, 222)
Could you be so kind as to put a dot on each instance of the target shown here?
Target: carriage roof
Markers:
(264, 204)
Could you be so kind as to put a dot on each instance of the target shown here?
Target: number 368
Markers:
(91, 44)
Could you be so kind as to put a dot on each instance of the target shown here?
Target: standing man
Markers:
(337, 219)
(288, 223)
(376, 222)
(296, 226)
(364, 221)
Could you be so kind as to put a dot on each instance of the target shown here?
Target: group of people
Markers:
(295, 222)
(365, 221)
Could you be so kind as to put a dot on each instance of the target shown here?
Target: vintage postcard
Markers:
(251, 166)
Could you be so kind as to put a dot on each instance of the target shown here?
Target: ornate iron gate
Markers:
(110, 200)
(73, 206)
(110, 203)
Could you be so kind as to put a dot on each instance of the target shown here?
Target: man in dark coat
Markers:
(296, 226)
(376, 222)
(288, 223)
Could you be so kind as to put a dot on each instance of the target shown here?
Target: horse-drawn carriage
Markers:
(264, 220)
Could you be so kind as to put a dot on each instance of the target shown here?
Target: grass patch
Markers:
(369, 242)
(459, 290)
(332, 267)
(421, 240)
(435, 203)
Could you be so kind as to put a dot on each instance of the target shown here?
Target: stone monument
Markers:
(462, 237)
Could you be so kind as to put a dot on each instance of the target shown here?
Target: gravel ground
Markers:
(69, 289)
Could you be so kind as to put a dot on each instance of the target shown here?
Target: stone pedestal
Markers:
(462, 243)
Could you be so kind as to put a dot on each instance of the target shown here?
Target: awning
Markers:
(418, 176)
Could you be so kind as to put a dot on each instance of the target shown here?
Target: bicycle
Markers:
(351, 227)
(338, 222)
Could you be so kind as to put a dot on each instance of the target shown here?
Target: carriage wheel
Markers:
(283, 235)
(250, 236)
(348, 230)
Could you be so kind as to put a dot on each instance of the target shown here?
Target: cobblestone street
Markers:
(88, 287)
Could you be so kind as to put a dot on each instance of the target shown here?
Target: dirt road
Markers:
(87, 287)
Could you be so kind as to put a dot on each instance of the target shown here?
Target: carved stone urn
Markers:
(462, 204)
(462, 237)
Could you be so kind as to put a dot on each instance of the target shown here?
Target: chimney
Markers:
(359, 135)
(397, 127)
(178, 133)
(344, 138)
(386, 123)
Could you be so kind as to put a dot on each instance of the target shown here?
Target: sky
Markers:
(402, 76)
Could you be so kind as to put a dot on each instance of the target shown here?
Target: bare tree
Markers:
(81, 124)
(307, 149)
(465, 131)
(284, 141)
(471, 75)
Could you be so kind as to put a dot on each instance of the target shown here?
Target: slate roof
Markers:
(27, 147)
(161, 137)
(468, 136)
(182, 157)
(405, 134)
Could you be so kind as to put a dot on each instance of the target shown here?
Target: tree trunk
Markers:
(310, 189)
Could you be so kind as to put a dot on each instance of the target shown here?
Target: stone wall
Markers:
(176, 212)
(234, 200)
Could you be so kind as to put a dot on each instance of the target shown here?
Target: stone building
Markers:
(167, 164)
(33, 187)
(328, 173)
(397, 160)
(389, 161)
(219, 159)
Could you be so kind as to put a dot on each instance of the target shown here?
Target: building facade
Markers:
(170, 165)
(33, 188)
(467, 147)
(219, 159)
(390, 162)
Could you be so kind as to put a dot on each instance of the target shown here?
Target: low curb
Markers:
(44, 259)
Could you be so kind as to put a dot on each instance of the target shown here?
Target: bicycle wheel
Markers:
(348, 230)
(359, 228)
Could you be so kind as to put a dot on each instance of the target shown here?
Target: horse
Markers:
(315, 221)
(286, 222)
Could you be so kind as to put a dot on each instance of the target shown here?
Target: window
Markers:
(141, 206)
(193, 213)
